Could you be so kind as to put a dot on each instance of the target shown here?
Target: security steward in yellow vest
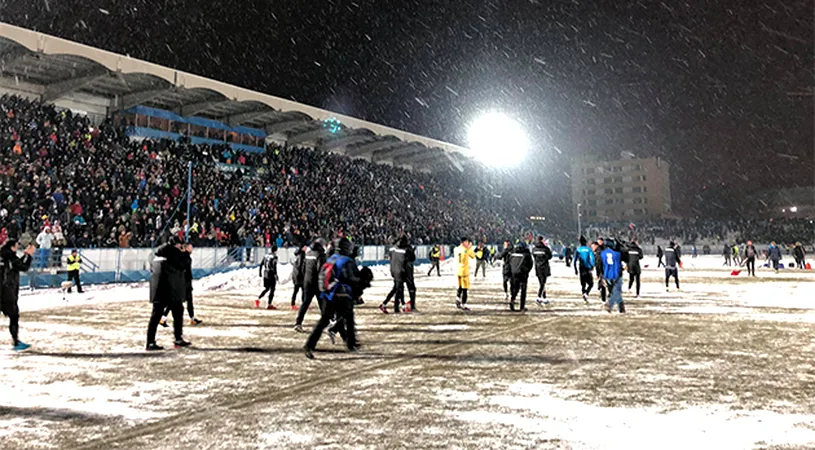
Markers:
(74, 263)
(435, 257)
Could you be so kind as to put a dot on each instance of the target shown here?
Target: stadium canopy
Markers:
(101, 83)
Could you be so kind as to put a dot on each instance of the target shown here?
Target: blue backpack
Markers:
(328, 278)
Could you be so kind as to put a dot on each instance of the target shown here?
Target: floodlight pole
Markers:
(189, 202)
(579, 227)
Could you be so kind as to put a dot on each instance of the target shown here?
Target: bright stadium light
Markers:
(497, 140)
(794, 209)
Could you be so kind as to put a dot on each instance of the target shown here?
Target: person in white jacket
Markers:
(44, 241)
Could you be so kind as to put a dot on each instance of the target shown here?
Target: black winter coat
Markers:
(542, 254)
(12, 265)
(315, 258)
(168, 283)
(298, 269)
(402, 259)
(505, 258)
(521, 262)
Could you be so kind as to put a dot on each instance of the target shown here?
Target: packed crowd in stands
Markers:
(708, 231)
(84, 187)
(98, 188)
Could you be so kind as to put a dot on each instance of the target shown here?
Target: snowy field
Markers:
(727, 363)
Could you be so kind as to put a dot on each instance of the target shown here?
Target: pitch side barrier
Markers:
(132, 265)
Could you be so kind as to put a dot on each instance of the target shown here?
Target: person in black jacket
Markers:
(632, 258)
(187, 257)
(750, 254)
(481, 255)
(506, 270)
(314, 260)
(410, 283)
(168, 287)
(399, 267)
(339, 303)
(268, 272)
(568, 254)
(12, 265)
(520, 263)
(598, 248)
(435, 257)
(800, 256)
(297, 271)
(542, 254)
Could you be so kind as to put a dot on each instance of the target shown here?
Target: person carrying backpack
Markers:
(268, 272)
(340, 286)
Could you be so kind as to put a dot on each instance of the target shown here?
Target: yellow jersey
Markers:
(463, 256)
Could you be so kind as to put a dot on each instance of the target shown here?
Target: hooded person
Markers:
(168, 288)
(341, 287)
(10, 270)
(314, 260)
(521, 264)
(542, 255)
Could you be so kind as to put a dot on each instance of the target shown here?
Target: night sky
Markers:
(722, 89)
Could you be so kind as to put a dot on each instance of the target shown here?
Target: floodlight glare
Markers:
(497, 140)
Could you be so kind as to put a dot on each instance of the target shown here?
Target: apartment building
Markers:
(625, 189)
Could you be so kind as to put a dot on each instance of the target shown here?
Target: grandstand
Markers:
(102, 84)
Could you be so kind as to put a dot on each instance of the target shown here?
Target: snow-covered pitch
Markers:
(726, 363)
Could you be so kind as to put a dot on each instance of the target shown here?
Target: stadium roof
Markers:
(57, 69)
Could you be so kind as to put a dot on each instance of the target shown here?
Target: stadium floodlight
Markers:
(497, 140)
(794, 209)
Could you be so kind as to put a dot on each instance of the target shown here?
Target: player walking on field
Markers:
(584, 262)
(463, 254)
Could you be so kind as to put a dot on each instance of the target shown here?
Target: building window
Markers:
(637, 200)
(642, 178)
(618, 179)
(608, 191)
(593, 213)
(638, 167)
(636, 189)
(645, 189)
(609, 201)
(592, 192)
(620, 201)
(618, 190)
(592, 202)
(590, 181)
(607, 180)
(590, 171)
(638, 211)
(616, 169)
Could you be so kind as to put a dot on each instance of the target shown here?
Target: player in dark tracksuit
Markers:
(598, 248)
(774, 255)
(750, 253)
(673, 260)
(584, 263)
(541, 254)
(633, 257)
(506, 270)
(399, 255)
(520, 263)
(10, 270)
(268, 272)
(298, 268)
(314, 260)
(800, 256)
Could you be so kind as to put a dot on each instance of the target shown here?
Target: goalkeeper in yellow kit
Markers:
(463, 254)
